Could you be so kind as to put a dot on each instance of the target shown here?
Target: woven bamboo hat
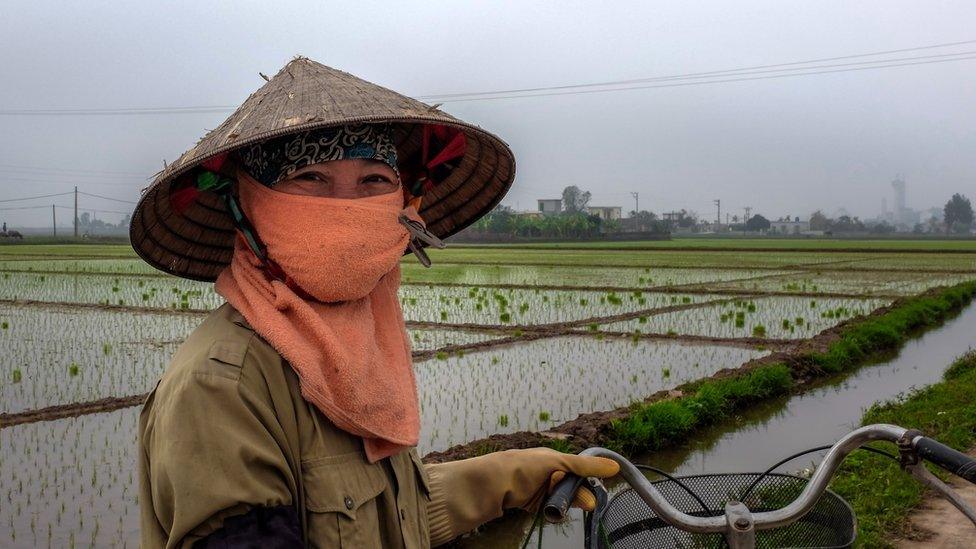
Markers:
(195, 240)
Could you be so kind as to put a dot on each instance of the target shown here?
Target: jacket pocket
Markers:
(340, 498)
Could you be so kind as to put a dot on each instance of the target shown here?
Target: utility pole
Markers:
(718, 217)
(636, 210)
(76, 211)
(54, 219)
(748, 210)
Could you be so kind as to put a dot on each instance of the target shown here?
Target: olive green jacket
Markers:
(226, 430)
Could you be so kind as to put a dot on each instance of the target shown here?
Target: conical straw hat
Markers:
(197, 242)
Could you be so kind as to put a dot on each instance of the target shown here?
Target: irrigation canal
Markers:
(766, 433)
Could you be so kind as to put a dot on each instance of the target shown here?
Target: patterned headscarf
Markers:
(271, 161)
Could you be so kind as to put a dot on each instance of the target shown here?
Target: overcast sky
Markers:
(782, 146)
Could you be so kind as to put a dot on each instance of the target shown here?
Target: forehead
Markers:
(346, 163)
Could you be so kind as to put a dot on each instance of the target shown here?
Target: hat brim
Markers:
(197, 242)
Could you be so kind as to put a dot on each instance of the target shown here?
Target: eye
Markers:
(310, 176)
(376, 178)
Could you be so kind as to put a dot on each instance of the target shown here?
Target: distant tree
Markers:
(819, 221)
(500, 220)
(687, 219)
(575, 200)
(757, 223)
(881, 228)
(958, 213)
(643, 220)
(847, 224)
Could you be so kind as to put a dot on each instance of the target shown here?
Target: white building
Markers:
(605, 213)
(549, 206)
(786, 225)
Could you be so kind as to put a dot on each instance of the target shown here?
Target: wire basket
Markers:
(629, 523)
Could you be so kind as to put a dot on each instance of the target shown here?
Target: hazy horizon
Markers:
(783, 146)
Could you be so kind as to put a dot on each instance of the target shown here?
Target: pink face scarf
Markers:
(348, 345)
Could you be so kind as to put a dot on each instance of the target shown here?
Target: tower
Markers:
(899, 186)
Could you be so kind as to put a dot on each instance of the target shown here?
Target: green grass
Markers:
(664, 423)
(863, 338)
(880, 493)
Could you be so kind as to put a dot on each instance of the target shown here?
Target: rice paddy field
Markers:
(505, 339)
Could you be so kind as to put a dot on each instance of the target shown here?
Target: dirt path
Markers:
(936, 524)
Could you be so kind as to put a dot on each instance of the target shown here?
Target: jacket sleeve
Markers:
(209, 450)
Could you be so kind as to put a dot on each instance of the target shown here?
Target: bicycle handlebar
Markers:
(951, 460)
(558, 504)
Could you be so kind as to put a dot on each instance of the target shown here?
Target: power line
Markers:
(683, 84)
(106, 197)
(74, 171)
(34, 197)
(708, 73)
(60, 175)
(214, 109)
(101, 210)
(107, 183)
(83, 209)
(579, 89)
(29, 207)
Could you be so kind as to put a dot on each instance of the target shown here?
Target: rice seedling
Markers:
(520, 380)
(781, 317)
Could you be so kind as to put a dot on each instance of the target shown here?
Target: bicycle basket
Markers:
(629, 523)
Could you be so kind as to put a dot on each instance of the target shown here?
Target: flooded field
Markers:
(506, 340)
(535, 385)
(764, 434)
(773, 317)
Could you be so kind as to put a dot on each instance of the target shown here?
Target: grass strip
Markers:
(881, 494)
(662, 424)
(860, 340)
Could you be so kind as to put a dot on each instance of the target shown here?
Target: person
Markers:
(290, 416)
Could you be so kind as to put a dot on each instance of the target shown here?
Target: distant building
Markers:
(550, 206)
(605, 213)
(785, 225)
(899, 187)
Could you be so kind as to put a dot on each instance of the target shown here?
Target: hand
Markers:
(531, 474)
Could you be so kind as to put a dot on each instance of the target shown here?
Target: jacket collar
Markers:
(235, 316)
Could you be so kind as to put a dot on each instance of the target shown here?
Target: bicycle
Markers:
(748, 510)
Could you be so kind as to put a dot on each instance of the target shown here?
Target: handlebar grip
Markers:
(561, 498)
(951, 460)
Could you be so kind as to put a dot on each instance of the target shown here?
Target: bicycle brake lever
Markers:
(594, 519)
(925, 477)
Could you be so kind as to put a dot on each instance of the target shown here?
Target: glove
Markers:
(470, 492)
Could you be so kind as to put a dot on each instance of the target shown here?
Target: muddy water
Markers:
(769, 432)
(72, 482)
